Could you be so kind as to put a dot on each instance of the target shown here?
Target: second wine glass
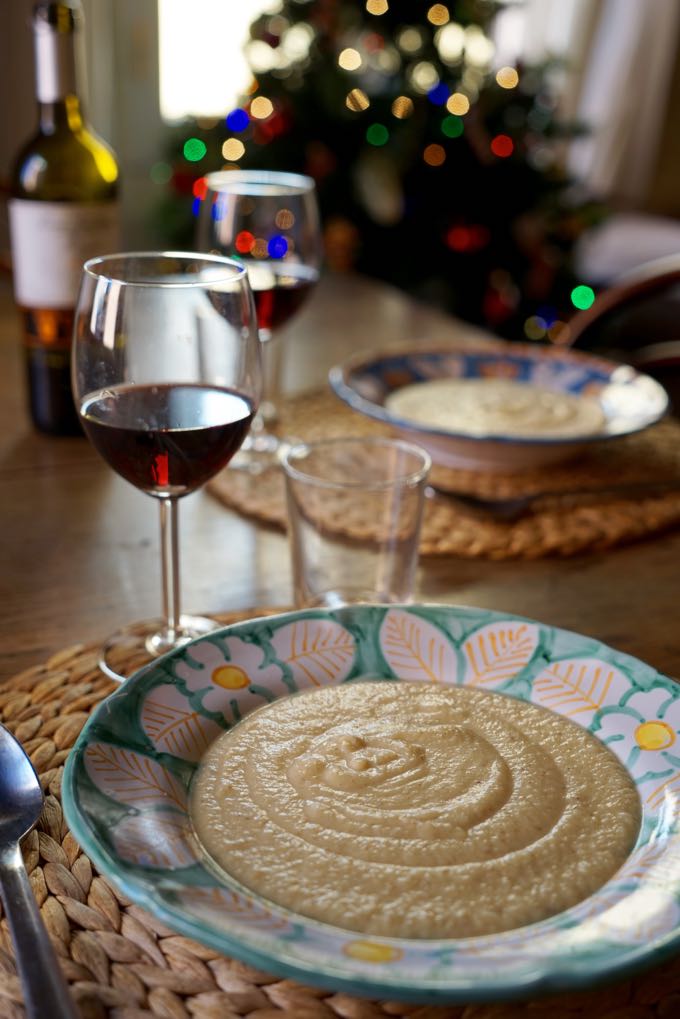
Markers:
(269, 220)
(166, 377)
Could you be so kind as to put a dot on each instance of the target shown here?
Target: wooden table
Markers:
(79, 547)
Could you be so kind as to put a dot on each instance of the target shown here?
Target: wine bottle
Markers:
(63, 210)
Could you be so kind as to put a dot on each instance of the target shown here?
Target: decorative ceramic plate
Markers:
(628, 400)
(127, 781)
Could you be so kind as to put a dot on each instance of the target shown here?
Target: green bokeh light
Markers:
(377, 134)
(194, 149)
(160, 173)
(582, 297)
(452, 126)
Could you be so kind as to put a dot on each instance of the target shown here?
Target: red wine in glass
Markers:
(166, 439)
(279, 289)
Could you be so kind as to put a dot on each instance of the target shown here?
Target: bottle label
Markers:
(50, 242)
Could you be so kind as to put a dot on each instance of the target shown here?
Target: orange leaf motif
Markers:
(174, 727)
(417, 650)
(579, 687)
(318, 651)
(132, 778)
(498, 652)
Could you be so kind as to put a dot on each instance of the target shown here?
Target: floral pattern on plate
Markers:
(127, 782)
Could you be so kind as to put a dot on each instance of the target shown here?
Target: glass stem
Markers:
(170, 566)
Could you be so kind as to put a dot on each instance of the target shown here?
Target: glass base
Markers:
(260, 452)
(140, 643)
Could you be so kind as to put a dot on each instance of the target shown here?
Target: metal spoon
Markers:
(46, 992)
(515, 506)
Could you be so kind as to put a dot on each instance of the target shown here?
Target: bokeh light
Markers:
(284, 219)
(377, 134)
(450, 42)
(410, 40)
(559, 332)
(377, 6)
(161, 173)
(244, 242)
(277, 246)
(458, 104)
(479, 49)
(502, 146)
(261, 108)
(535, 328)
(424, 76)
(452, 127)
(438, 14)
(259, 248)
(434, 155)
(200, 188)
(194, 149)
(237, 120)
(507, 77)
(233, 149)
(350, 59)
(357, 100)
(402, 107)
(439, 94)
(582, 297)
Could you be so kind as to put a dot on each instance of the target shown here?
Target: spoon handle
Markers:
(46, 992)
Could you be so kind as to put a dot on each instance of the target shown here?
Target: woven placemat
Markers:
(559, 524)
(123, 963)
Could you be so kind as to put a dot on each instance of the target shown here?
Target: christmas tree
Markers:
(437, 170)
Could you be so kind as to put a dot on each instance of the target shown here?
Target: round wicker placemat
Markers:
(122, 963)
(559, 524)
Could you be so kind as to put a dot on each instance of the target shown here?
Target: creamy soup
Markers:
(412, 810)
(496, 407)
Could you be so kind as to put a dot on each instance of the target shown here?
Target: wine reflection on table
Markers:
(167, 379)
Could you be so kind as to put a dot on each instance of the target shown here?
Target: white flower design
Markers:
(231, 676)
(644, 732)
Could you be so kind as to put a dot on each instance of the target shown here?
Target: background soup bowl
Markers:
(629, 400)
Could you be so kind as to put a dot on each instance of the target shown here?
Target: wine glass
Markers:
(270, 221)
(166, 376)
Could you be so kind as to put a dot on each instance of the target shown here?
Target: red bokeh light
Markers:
(502, 146)
(245, 242)
(200, 188)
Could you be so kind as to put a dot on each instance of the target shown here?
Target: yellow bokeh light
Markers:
(377, 6)
(233, 149)
(424, 76)
(402, 107)
(259, 248)
(534, 328)
(434, 155)
(479, 49)
(438, 14)
(507, 77)
(284, 219)
(261, 108)
(357, 100)
(450, 41)
(458, 104)
(559, 332)
(350, 59)
(410, 40)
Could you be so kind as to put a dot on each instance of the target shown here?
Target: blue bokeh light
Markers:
(237, 120)
(439, 94)
(277, 246)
